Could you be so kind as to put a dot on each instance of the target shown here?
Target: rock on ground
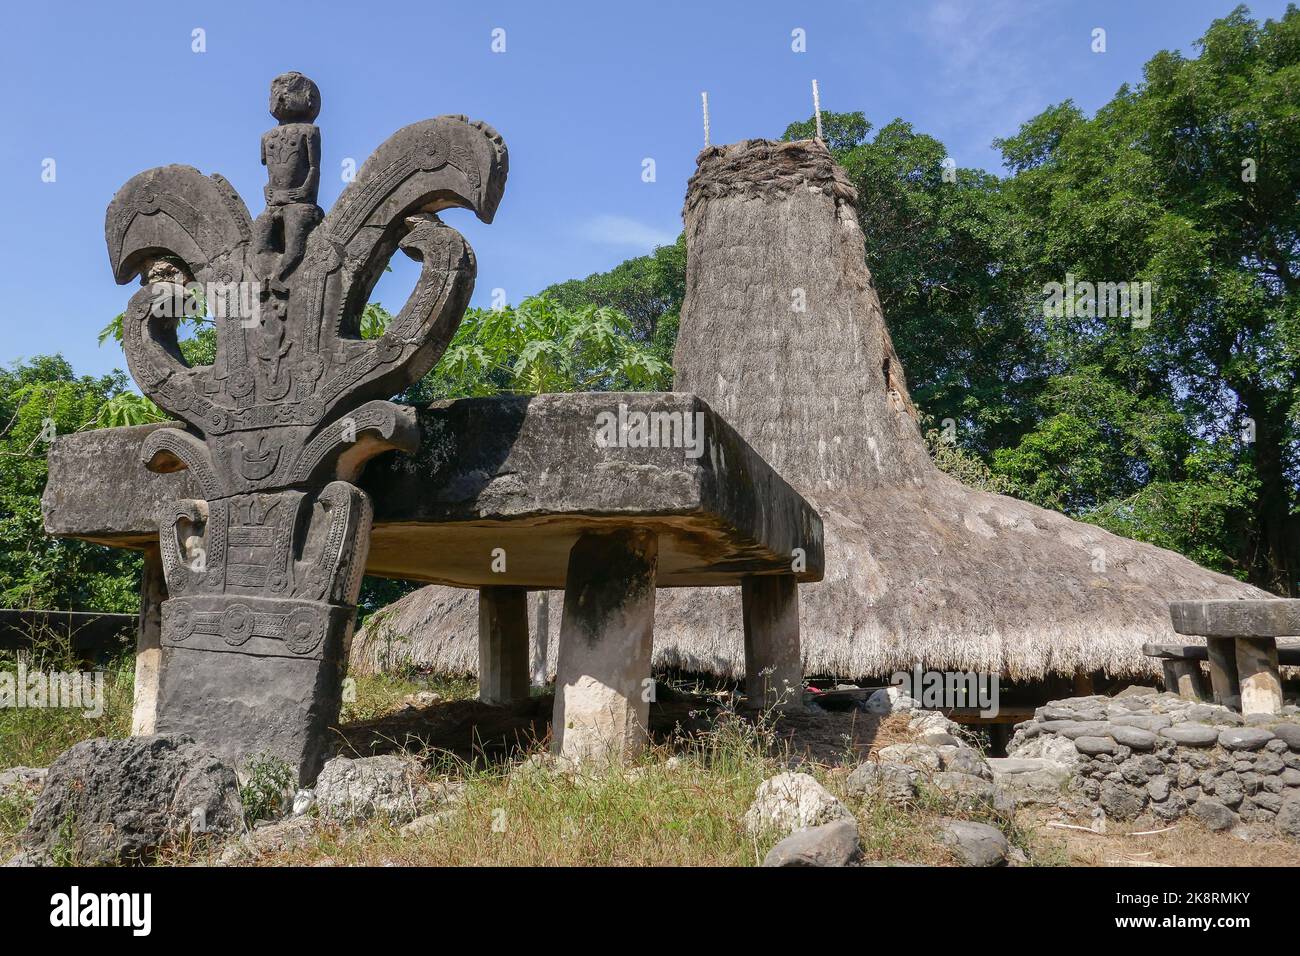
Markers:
(107, 802)
(390, 786)
(289, 834)
(975, 844)
(892, 782)
(1031, 780)
(24, 779)
(831, 844)
(792, 801)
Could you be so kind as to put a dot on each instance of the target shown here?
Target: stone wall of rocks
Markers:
(1148, 755)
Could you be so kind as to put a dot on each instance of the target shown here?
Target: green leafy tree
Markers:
(647, 289)
(1189, 181)
(39, 400)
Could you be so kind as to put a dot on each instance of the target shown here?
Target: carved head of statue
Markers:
(294, 98)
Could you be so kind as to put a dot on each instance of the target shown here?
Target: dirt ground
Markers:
(1185, 843)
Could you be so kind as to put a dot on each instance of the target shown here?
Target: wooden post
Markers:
(1222, 654)
(502, 644)
(1083, 686)
(1261, 681)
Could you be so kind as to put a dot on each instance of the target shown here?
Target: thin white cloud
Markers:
(622, 231)
(990, 70)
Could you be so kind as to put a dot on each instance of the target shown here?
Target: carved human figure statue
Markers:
(263, 566)
(291, 155)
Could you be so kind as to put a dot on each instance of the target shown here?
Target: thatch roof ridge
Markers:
(756, 168)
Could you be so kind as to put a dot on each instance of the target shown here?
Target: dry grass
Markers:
(34, 736)
(682, 804)
(1187, 844)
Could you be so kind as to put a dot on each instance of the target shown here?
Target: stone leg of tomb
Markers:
(148, 644)
(1261, 681)
(1184, 679)
(1222, 653)
(502, 644)
(603, 685)
(773, 660)
(541, 656)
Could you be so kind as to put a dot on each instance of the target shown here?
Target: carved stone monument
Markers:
(264, 568)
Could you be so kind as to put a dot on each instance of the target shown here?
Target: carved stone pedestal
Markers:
(279, 697)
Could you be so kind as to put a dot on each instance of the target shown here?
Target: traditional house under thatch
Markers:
(783, 334)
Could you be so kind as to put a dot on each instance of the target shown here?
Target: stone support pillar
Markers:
(773, 660)
(603, 685)
(502, 644)
(148, 644)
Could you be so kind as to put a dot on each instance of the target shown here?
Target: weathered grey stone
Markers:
(1170, 809)
(940, 740)
(1151, 722)
(1264, 800)
(503, 645)
(792, 801)
(1133, 737)
(126, 799)
(889, 700)
(1288, 818)
(1244, 738)
(276, 837)
(1191, 735)
(1236, 618)
(1094, 745)
(770, 624)
(893, 782)
(601, 711)
(29, 779)
(1289, 733)
(966, 790)
(387, 786)
(965, 760)
(1268, 763)
(1214, 814)
(428, 823)
(1122, 801)
(1158, 788)
(975, 844)
(917, 756)
(1073, 730)
(1134, 772)
(1030, 781)
(830, 844)
(1227, 789)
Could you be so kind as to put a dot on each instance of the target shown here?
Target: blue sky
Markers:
(583, 93)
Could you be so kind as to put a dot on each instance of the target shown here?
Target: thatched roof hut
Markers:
(919, 568)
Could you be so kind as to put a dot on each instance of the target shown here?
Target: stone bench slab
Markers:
(523, 474)
(1288, 652)
(1230, 618)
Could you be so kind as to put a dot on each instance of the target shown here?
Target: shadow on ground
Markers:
(472, 730)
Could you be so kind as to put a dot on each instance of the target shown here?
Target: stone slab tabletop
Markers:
(1279, 617)
(522, 474)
